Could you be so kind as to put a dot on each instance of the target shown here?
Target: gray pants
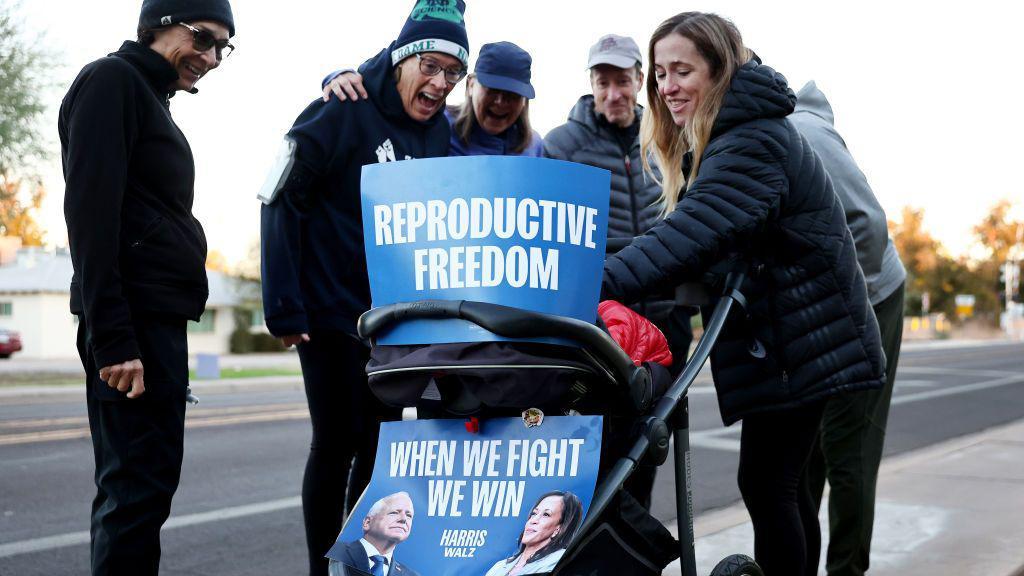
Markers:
(852, 440)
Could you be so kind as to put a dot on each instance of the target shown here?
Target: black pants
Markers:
(850, 451)
(774, 450)
(138, 447)
(346, 419)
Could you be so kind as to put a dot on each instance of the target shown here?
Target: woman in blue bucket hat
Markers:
(494, 119)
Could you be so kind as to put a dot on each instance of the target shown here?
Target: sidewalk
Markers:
(956, 508)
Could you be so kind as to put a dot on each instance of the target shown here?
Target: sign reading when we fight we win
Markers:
(444, 501)
(522, 232)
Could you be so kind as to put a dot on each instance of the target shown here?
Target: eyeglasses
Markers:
(431, 67)
(203, 40)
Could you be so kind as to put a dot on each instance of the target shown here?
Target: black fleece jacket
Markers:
(129, 173)
(314, 264)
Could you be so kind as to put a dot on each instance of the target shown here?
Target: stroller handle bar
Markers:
(510, 322)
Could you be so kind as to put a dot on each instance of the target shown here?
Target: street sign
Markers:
(964, 305)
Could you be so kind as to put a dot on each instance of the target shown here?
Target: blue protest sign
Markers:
(447, 502)
(523, 232)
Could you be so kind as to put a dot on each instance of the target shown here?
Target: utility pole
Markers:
(1013, 317)
(1011, 269)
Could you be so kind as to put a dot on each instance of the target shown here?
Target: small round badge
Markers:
(533, 417)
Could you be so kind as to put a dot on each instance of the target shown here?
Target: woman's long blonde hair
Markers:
(719, 42)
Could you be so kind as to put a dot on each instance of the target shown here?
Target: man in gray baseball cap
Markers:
(603, 130)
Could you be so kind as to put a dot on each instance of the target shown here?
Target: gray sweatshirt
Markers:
(883, 271)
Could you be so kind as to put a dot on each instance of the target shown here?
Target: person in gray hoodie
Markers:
(853, 427)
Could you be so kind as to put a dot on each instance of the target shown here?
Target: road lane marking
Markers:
(191, 413)
(914, 383)
(192, 422)
(77, 538)
(711, 439)
(947, 371)
(714, 439)
(962, 389)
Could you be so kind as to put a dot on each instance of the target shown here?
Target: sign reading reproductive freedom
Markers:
(522, 232)
(447, 502)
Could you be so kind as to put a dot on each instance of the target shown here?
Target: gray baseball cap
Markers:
(618, 51)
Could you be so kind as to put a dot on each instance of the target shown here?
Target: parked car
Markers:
(10, 342)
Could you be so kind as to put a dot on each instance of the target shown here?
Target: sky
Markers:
(926, 95)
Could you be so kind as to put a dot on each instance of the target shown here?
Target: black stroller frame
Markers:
(665, 414)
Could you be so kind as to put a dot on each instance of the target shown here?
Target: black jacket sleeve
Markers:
(740, 183)
(99, 127)
(322, 134)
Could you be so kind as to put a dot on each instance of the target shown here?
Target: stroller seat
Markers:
(595, 377)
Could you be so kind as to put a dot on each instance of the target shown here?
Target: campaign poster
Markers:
(523, 232)
(445, 501)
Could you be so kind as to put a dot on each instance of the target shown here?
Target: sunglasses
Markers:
(431, 67)
(203, 40)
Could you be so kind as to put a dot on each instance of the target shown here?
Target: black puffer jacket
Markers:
(633, 206)
(588, 139)
(762, 191)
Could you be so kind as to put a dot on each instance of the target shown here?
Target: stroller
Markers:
(618, 536)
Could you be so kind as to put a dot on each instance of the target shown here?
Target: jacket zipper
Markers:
(149, 233)
(632, 197)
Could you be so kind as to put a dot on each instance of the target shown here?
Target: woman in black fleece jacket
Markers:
(752, 185)
(139, 266)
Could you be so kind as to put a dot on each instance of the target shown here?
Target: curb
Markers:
(720, 523)
(720, 519)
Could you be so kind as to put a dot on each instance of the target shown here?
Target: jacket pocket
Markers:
(162, 247)
(151, 230)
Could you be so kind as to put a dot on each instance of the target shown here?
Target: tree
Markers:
(1001, 236)
(998, 232)
(249, 268)
(18, 218)
(216, 261)
(922, 256)
(931, 270)
(25, 79)
(919, 251)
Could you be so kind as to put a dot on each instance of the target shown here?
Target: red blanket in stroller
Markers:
(638, 336)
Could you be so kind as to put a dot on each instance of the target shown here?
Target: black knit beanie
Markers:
(434, 26)
(157, 13)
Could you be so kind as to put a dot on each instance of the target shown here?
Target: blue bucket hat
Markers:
(504, 66)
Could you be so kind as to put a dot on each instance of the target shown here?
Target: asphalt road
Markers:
(237, 510)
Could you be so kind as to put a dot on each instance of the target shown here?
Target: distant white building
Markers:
(35, 288)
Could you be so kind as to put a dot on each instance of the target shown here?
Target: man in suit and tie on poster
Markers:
(387, 523)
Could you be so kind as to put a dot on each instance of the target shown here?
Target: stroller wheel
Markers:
(737, 565)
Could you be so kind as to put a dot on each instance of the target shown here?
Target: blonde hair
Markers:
(719, 42)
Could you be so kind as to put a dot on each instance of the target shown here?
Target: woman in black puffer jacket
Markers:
(751, 185)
